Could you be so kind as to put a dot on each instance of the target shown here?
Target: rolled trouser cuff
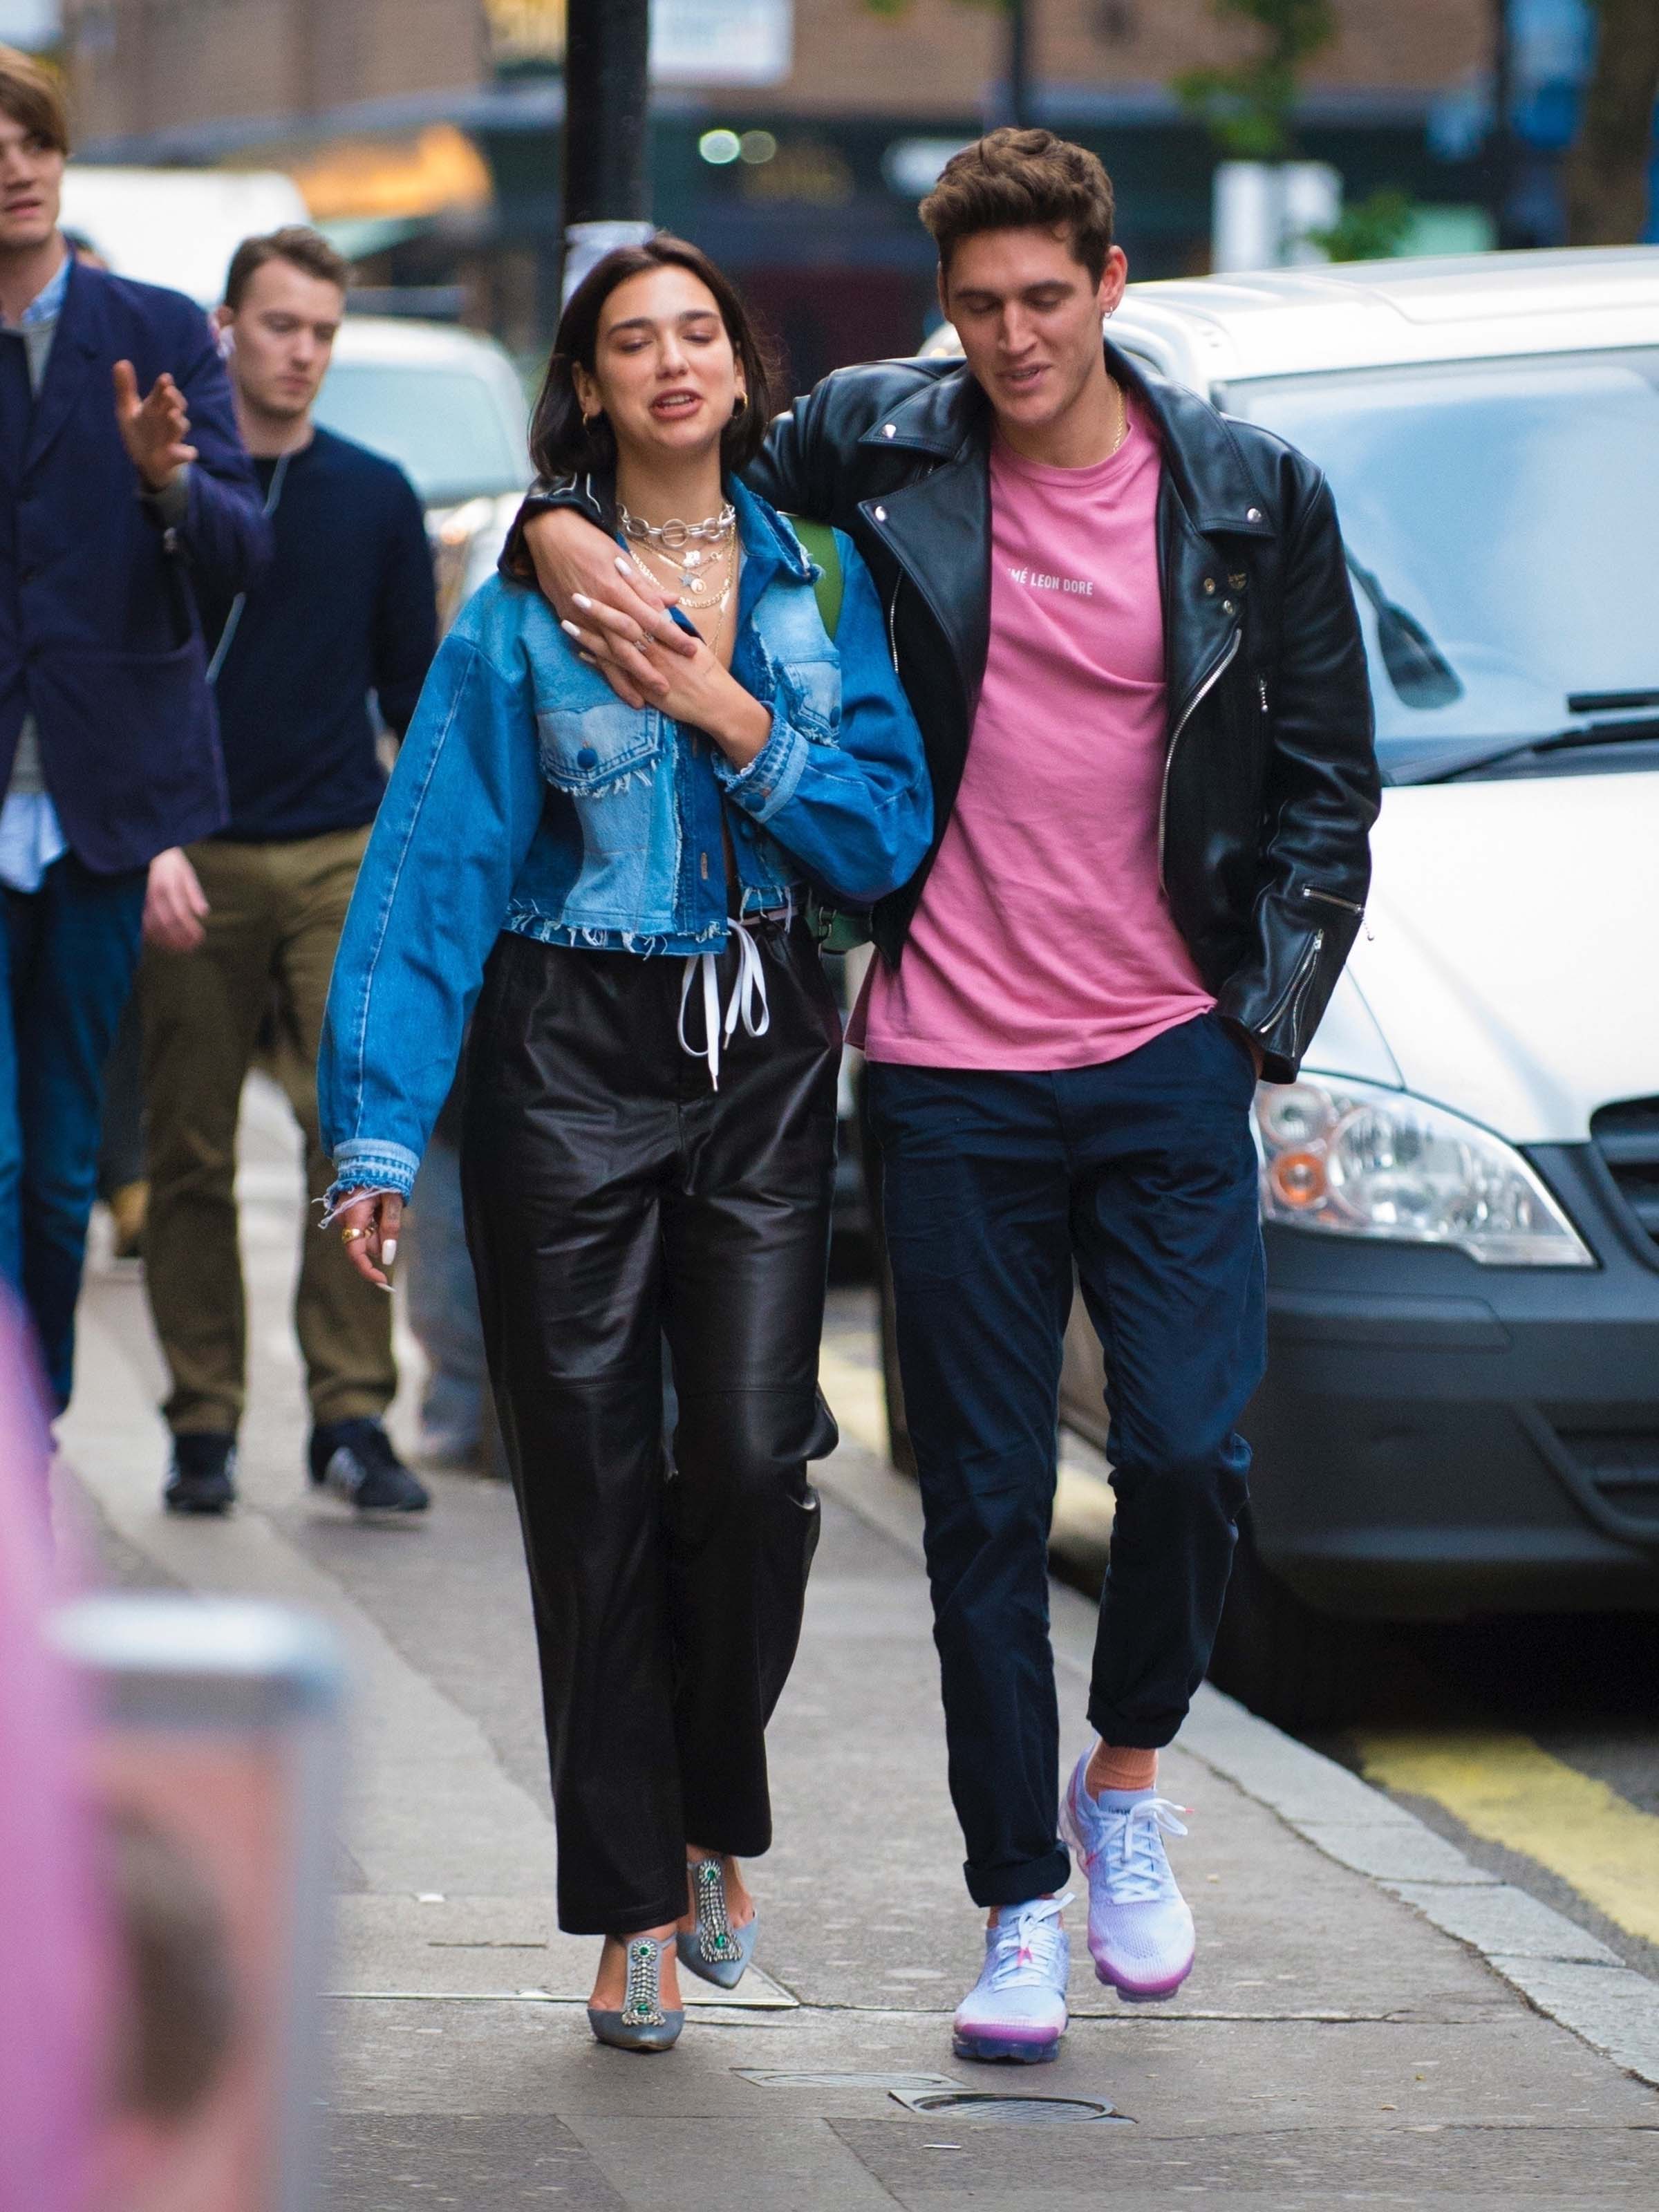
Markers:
(1018, 1885)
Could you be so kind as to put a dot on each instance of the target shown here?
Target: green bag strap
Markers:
(818, 541)
(836, 931)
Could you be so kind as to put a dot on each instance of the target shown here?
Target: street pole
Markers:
(1019, 64)
(1500, 145)
(607, 135)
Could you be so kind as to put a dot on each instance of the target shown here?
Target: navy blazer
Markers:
(99, 632)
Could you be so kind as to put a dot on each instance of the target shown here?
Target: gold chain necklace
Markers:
(1122, 417)
(687, 583)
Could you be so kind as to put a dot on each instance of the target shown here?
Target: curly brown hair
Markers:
(1023, 180)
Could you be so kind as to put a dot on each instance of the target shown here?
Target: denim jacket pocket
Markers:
(597, 751)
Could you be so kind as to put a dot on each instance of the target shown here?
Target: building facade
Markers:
(791, 137)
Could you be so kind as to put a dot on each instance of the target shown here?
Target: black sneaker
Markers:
(204, 1466)
(356, 1460)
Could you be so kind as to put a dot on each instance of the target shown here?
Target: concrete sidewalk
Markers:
(1332, 2043)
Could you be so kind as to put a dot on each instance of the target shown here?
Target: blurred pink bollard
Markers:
(52, 1948)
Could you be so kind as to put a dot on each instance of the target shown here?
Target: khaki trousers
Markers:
(275, 915)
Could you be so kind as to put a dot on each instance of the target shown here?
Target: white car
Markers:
(447, 406)
(1461, 1196)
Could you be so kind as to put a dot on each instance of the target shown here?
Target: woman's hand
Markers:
(696, 688)
(580, 573)
(369, 1226)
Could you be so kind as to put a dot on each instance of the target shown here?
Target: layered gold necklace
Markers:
(699, 558)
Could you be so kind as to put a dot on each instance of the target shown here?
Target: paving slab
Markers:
(1333, 2044)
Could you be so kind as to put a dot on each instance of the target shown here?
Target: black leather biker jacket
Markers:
(1270, 784)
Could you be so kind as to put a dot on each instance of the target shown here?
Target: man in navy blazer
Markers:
(122, 473)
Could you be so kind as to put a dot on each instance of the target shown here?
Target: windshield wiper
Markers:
(1642, 729)
(1420, 673)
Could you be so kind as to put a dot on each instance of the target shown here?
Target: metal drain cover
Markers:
(766, 2077)
(986, 2104)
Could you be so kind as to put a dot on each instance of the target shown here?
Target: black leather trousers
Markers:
(614, 1198)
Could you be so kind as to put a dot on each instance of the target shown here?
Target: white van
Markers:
(1461, 1196)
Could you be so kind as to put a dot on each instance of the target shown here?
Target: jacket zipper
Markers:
(1291, 996)
(892, 621)
(1330, 899)
(1187, 712)
(1261, 689)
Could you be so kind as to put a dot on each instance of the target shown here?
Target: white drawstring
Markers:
(748, 998)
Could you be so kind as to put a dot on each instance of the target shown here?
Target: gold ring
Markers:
(350, 1236)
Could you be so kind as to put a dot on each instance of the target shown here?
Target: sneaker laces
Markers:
(1137, 1869)
(1029, 1947)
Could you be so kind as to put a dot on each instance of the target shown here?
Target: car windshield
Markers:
(1499, 519)
(446, 426)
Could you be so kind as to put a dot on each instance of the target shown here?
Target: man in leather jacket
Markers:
(1124, 623)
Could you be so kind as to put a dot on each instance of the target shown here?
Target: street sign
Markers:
(692, 41)
(721, 41)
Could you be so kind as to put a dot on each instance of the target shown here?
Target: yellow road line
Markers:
(1504, 1787)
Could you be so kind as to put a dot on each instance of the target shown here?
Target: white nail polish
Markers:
(580, 598)
(569, 629)
(388, 1251)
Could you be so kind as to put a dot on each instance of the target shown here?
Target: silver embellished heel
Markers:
(643, 2023)
(714, 1950)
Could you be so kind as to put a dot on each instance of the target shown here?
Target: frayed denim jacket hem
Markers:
(528, 798)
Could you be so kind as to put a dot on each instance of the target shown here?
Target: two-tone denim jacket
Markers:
(528, 798)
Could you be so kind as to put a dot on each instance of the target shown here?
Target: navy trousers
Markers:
(69, 951)
(1139, 1174)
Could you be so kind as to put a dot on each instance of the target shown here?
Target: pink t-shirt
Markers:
(1042, 939)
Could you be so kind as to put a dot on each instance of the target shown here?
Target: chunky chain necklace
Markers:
(679, 545)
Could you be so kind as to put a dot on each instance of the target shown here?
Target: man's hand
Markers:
(587, 579)
(155, 431)
(174, 903)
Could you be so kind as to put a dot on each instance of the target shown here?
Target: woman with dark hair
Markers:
(649, 1126)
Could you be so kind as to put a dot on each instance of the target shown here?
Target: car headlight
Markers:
(1358, 1160)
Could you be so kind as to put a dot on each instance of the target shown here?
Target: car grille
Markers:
(1627, 1137)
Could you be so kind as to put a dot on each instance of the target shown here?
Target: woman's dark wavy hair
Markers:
(562, 444)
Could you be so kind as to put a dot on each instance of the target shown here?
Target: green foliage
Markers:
(1371, 229)
(1248, 107)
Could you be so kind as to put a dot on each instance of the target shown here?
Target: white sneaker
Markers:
(1140, 1927)
(1017, 2008)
